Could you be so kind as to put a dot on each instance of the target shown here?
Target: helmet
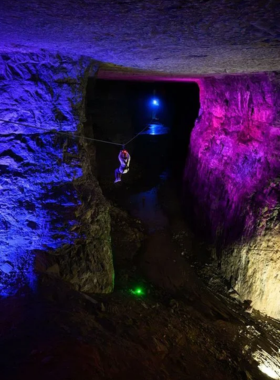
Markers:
(124, 153)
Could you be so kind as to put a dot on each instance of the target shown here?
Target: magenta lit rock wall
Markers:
(232, 178)
(43, 175)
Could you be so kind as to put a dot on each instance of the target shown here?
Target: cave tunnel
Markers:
(120, 109)
(215, 161)
(172, 273)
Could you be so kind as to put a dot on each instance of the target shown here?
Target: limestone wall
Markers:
(193, 37)
(43, 200)
(231, 181)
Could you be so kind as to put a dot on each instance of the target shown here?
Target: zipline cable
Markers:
(129, 141)
(72, 135)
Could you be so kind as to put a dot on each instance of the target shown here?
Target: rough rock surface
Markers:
(232, 181)
(185, 37)
(88, 264)
(41, 170)
(254, 269)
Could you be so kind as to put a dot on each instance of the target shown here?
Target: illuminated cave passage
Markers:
(226, 128)
(172, 273)
(118, 110)
(230, 160)
(223, 146)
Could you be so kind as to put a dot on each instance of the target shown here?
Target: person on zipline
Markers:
(124, 158)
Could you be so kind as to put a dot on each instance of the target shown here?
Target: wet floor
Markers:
(146, 207)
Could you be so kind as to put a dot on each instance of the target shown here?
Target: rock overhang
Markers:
(195, 37)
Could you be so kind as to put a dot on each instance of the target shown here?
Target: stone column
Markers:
(232, 177)
(50, 203)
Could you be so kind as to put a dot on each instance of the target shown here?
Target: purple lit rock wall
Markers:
(46, 183)
(232, 180)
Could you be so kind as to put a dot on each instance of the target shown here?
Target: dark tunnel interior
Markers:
(119, 110)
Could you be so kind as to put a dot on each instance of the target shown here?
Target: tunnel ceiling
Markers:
(184, 37)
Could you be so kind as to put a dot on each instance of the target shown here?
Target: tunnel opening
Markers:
(156, 119)
(174, 295)
(162, 113)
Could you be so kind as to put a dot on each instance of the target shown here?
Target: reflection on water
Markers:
(156, 129)
(145, 206)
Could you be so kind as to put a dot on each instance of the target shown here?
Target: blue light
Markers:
(156, 129)
(34, 206)
(38, 199)
(155, 102)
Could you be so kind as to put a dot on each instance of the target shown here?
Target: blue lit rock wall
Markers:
(50, 204)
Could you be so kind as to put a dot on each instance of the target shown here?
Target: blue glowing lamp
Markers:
(155, 102)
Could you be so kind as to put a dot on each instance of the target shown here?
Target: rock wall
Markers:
(47, 189)
(232, 181)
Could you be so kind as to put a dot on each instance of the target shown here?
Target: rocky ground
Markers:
(176, 329)
(180, 326)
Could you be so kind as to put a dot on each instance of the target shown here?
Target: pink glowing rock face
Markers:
(234, 156)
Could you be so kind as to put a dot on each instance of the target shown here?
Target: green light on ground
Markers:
(138, 292)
